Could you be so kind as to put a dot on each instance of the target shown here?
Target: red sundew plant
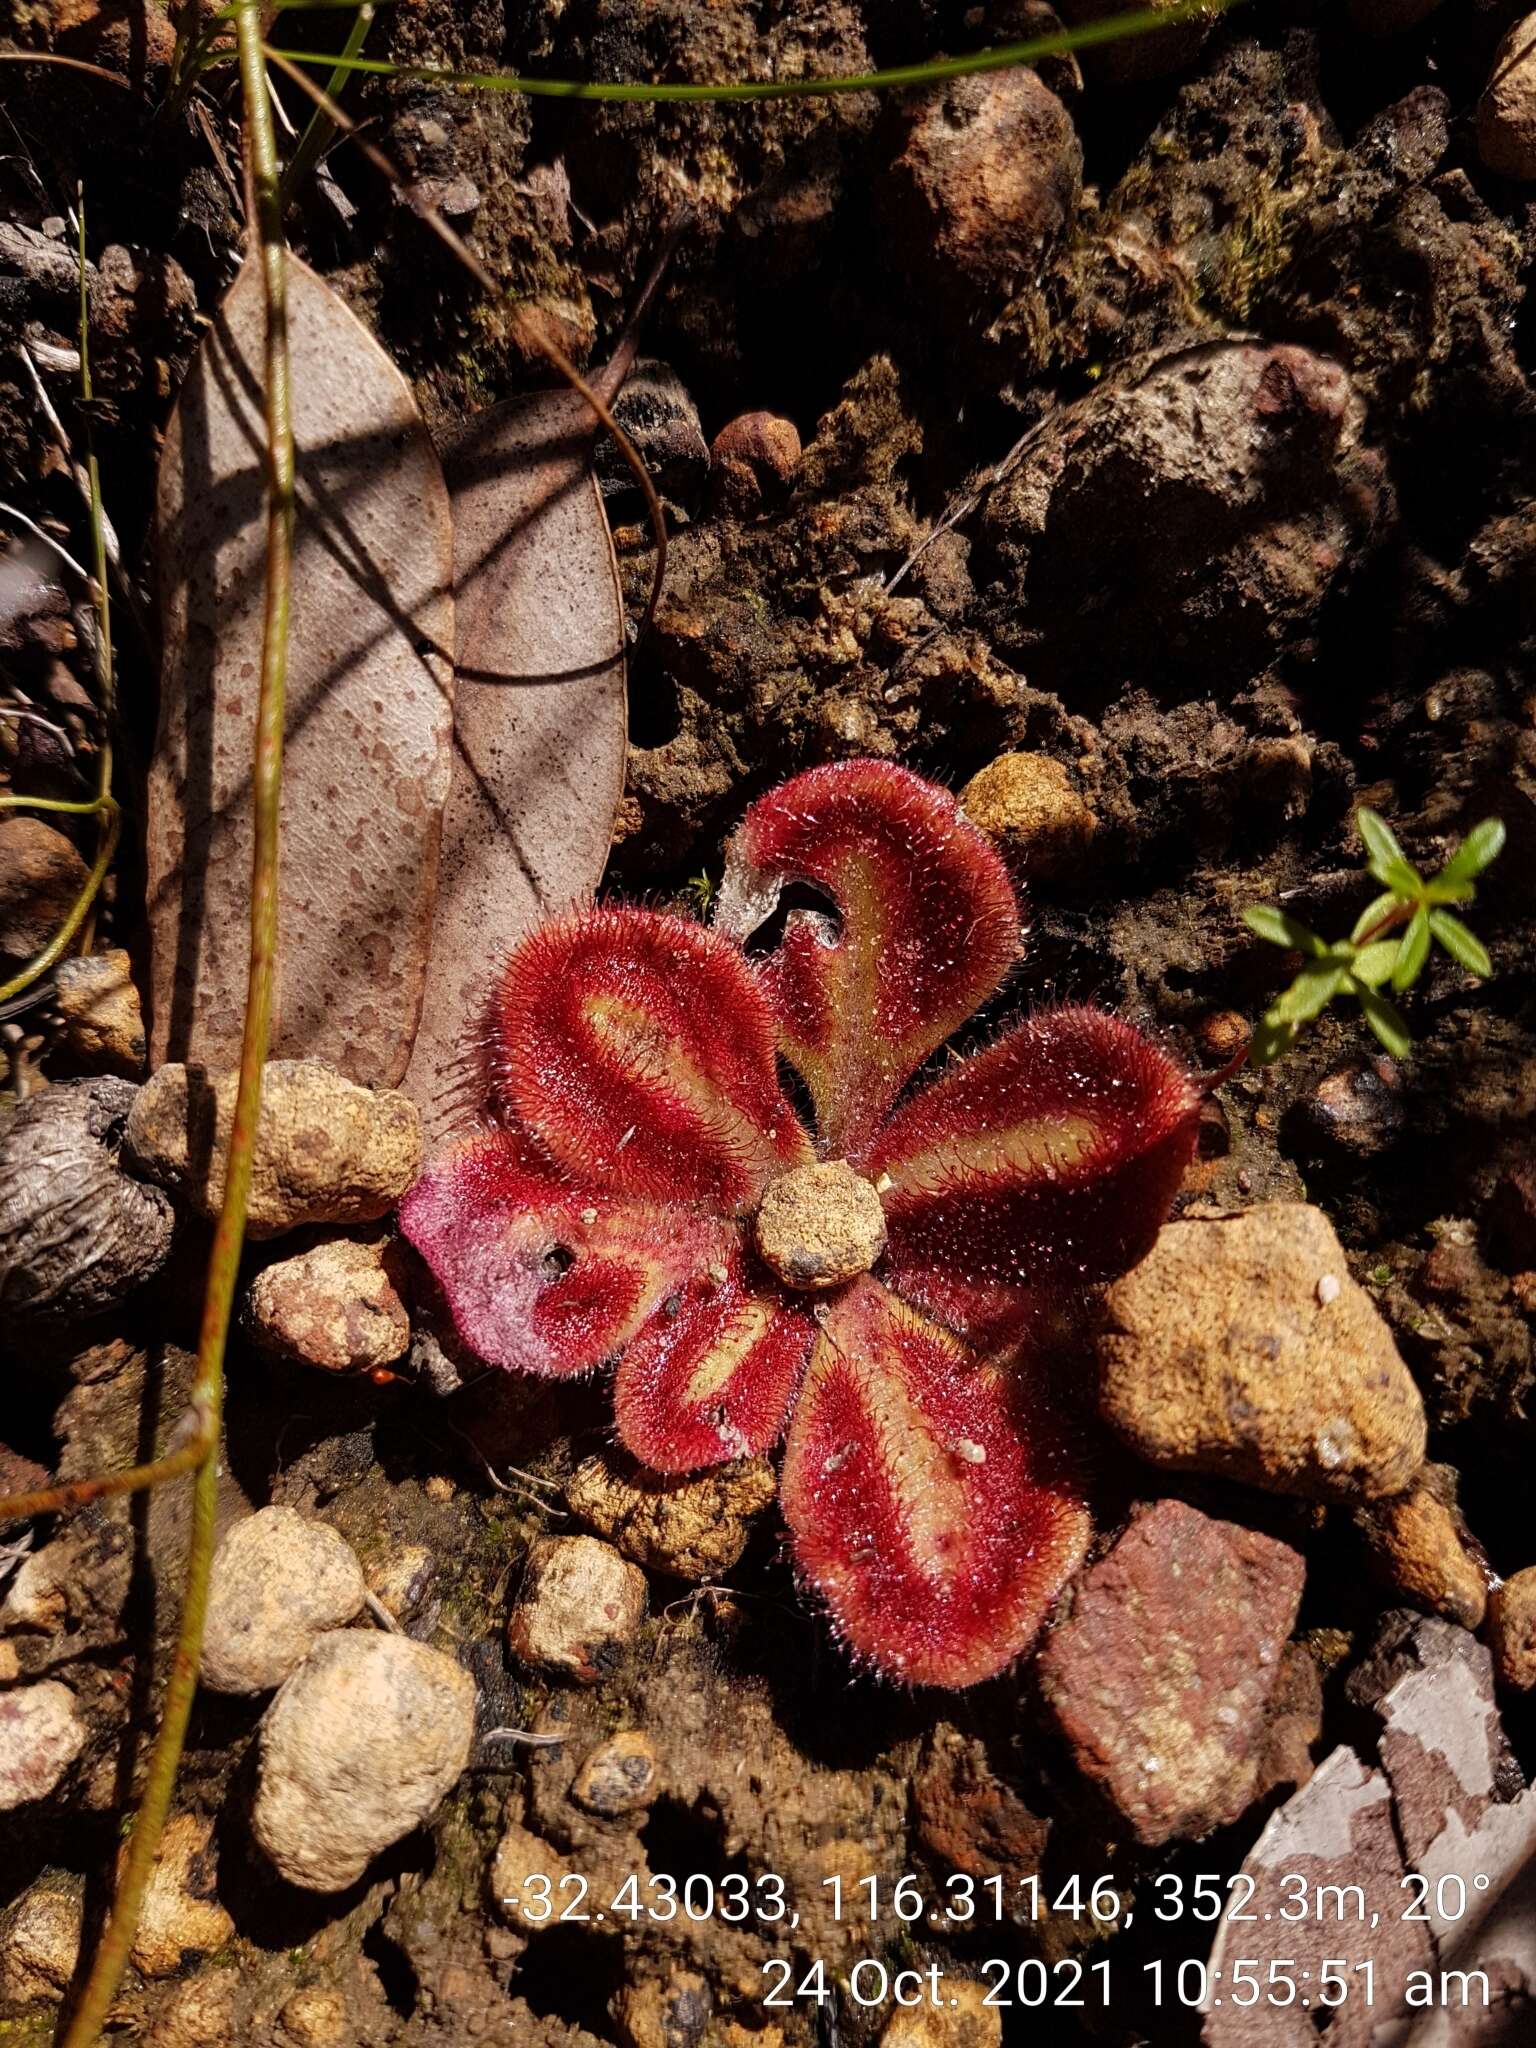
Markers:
(879, 1289)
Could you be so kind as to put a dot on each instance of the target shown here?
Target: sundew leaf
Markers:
(370, 678)
(1462, 945)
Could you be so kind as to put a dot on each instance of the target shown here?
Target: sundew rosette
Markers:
(647, 1196)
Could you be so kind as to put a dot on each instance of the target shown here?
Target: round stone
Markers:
(820, 1225)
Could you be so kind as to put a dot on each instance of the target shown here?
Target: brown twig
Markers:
(527, 329)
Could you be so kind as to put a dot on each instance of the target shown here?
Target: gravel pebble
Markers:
(694, 1527)
(180, 1916)
(752, 460)
(103, 1028)
(315, 2017)
(622, 1775)
(334, 1305)
(41, 1734)
(1514, 1630)
(327, 1151)
(984, 186)
(670, 2012)
(581, 1603)
(1416, 1546)
(278, 1582)
(1225, 1351)
(1356, 1111)
(41, 874)
(40, 1937)
(361, 1745)
(817, 1226)
(1027, 805)
(1506, 113)
(655, 410)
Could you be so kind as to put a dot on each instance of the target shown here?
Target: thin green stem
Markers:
(85, 809)
(74, 1493)
(229, 1233)
(320, 127)
(934, 70)
(1388, 921)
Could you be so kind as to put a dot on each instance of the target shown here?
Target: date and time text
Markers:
(887, 1907)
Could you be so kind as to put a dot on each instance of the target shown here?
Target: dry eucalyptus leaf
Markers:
(370, 679)
(539, 709)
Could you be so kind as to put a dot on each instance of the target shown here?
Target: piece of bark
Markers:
(539, 710)
(366, 763)
(1337, 1830)
(1440, 1840)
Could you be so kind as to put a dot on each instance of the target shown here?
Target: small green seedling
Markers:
(1369, 960)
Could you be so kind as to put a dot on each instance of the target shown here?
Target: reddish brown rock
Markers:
(41, 874)
(985, 185)
(752, 459)
(1161, 1677)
